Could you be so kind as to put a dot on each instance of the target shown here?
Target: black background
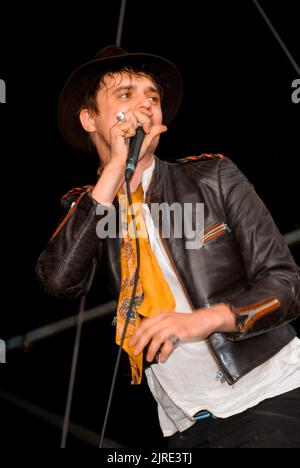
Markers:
(237, 101)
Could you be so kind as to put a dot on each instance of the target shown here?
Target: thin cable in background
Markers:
(121, 23)
(277, 37)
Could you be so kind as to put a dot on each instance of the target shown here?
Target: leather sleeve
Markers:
(273, 298)
(64, 266)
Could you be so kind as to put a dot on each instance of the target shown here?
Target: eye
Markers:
(125, 95)
(155, 99)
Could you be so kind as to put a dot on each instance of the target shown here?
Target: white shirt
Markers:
(186, 383)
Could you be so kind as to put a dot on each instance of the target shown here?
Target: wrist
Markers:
(109, 183)
(228, 318)
(115, 170)
(224, 320)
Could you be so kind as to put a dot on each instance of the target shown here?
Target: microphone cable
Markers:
(128, 314)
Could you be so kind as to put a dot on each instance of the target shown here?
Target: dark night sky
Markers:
(237, 101)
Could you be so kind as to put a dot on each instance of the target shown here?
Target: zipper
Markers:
(256, 312)
(114, 321)
(215, 231)
(220, 377)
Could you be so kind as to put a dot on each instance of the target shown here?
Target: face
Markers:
(126, 93)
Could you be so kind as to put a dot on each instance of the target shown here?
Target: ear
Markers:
(87, 120)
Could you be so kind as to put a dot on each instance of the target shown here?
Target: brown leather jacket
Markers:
(244, 261)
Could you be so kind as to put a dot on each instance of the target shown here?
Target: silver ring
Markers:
(174, 340)
(121, 116)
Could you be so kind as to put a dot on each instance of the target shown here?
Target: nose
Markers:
(144, 103)
(145, 106)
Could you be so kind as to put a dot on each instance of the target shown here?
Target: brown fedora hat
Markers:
(113, 58)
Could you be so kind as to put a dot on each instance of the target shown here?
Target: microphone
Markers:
(134, 151)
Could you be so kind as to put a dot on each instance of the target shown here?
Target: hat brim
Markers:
(84, 77)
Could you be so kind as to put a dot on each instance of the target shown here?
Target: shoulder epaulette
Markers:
(200, 157)
(72, 195)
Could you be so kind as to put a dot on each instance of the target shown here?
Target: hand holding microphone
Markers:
(128, 136)
(134, 147)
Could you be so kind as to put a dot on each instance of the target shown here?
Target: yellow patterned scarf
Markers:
(153, 294)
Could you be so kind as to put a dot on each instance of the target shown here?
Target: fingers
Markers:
(165, 351)
(160, 345)
(145, 120)
(148, 326)
(156, 332)
(153, 336)
(124, 128)
(156, 130)
(133, 119)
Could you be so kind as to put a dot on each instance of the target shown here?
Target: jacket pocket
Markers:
(214, 231)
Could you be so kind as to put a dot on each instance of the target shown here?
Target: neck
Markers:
(143, 164)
